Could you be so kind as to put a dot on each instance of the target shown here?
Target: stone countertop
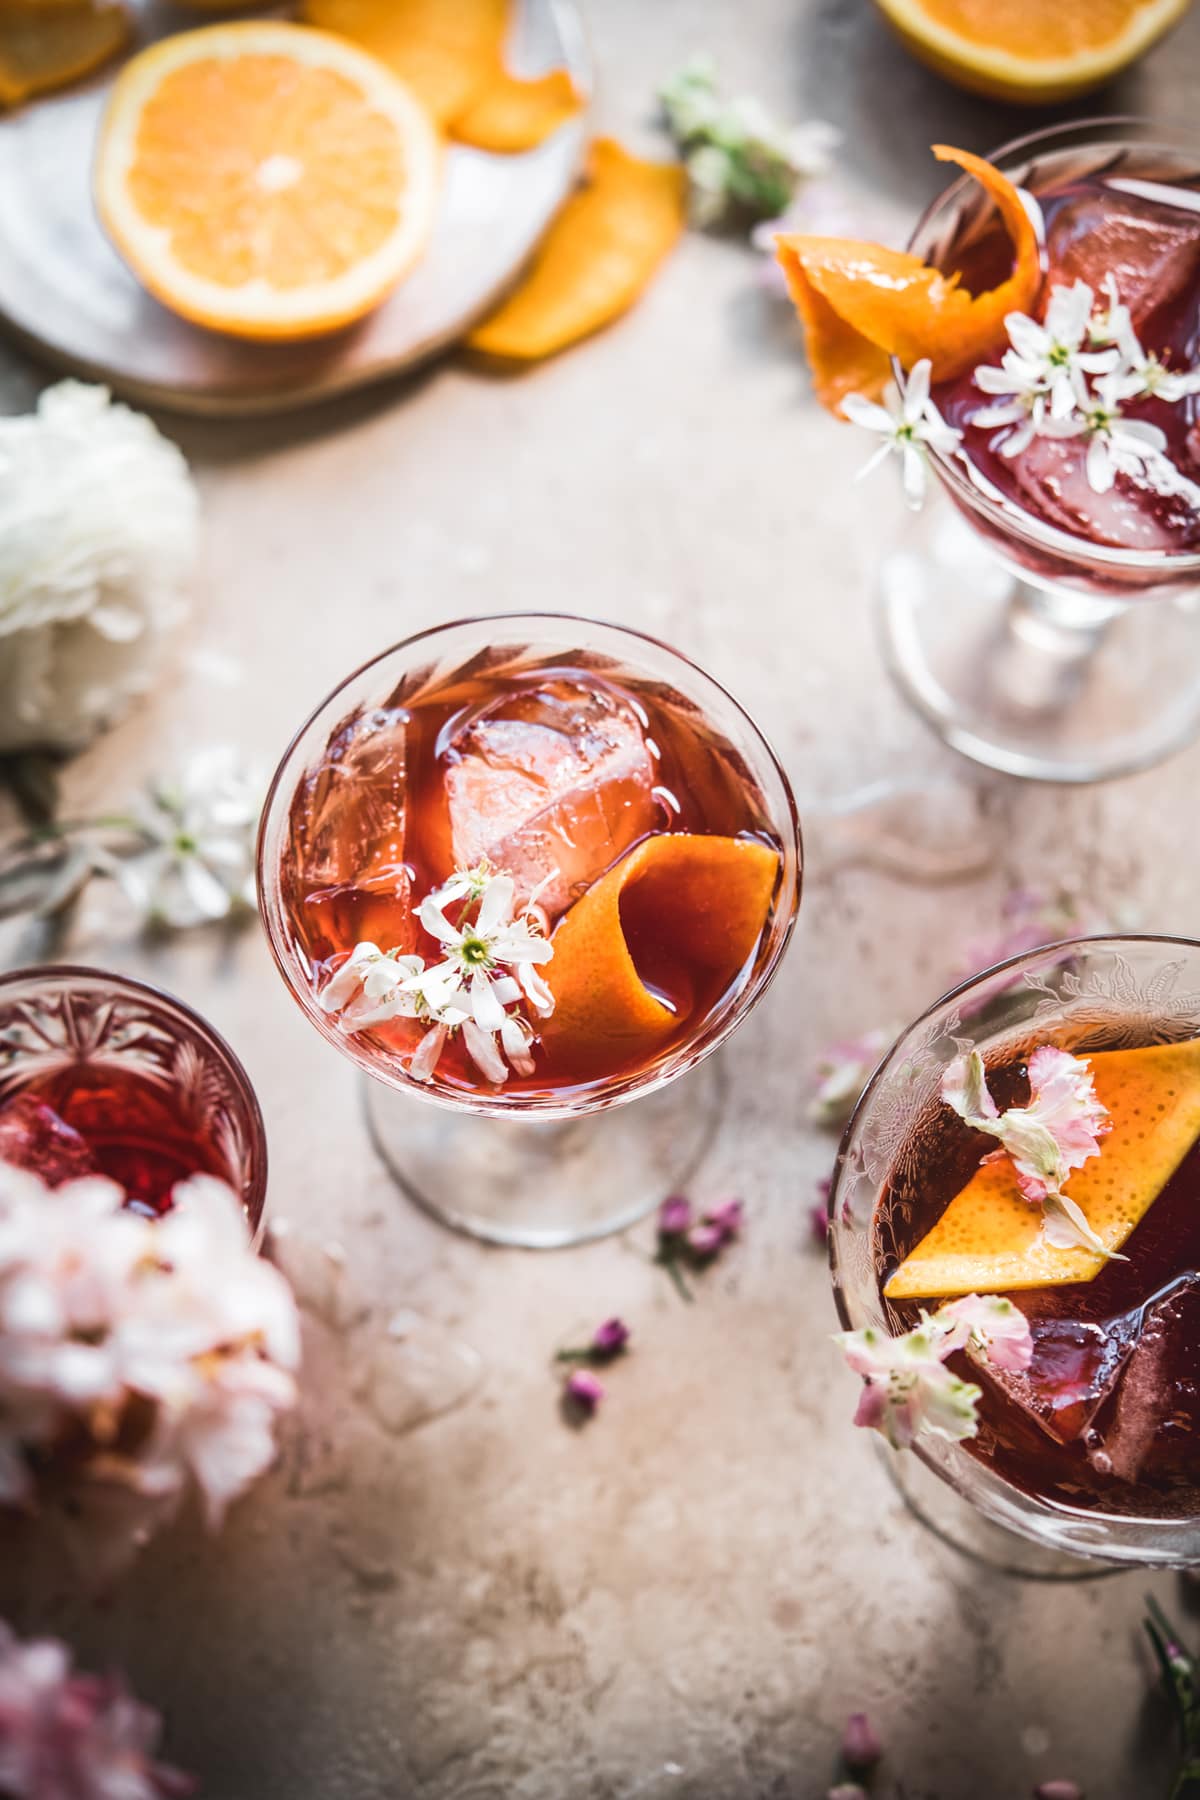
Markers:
(684, 1600)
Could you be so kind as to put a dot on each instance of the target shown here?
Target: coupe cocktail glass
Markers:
(559, 752)
(103, 1075)
(1040, 627)
(1092, 1453)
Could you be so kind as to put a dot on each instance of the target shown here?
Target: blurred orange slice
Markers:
(713, 894)
(266, 180)
(43, 47)
(1026, 50)
(862, 304)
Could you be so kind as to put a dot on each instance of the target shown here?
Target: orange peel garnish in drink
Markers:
(600, 253)
(715, 895)
(44, 47)
(989, 1239)
(861, 304)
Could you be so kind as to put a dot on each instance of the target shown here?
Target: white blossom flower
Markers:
(490, 962)
(98, 531)
(1051, 353)
(1057, 1132)
(369, 987)
(66, 1734)
(199, 829)
(1140, 374)
(909, 426)
(101, 1307)
(1115, 445)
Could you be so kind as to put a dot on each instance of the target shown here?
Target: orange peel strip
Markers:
(510, 114)
(47, 47)
(446, 51)
(989, 1240)
(861, 304)
(596, 259)
(716, 892)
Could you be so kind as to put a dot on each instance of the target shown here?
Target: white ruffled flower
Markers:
(98, 531)
(66, 1734)
(199, 829)
(369, 988)
(1055, 1134)
(100, 1307)
(910, 426)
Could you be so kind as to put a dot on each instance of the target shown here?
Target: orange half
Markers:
(715, 892)
(989, 1240)
(861, 304)
(266, 180)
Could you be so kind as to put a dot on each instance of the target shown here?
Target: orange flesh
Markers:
(1031, 29)
(862, 304)
(208, 141)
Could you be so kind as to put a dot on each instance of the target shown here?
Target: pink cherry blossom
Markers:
(584, 1389)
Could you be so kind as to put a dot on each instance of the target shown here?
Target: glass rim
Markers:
(255, 1199)
(623, 1088)
(1040, 1507)
(1012, 522)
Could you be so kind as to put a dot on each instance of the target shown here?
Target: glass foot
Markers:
(539, 1185)
(942, 1510)
(1038, 682)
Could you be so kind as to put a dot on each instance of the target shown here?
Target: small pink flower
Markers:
(861, 1748)
(674, 1216)
(705, 1241)
(728, 1217)
(584, 1389)
(610, 1338)
(82, 1735)
(991, 1326)
(818, 1218)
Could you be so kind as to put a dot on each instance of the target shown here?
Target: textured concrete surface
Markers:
(684, 1600)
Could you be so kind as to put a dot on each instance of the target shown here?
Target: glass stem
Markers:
(1049, 639)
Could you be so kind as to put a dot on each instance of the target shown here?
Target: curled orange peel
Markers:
(510, 113)
(861, 304)
(714, 893)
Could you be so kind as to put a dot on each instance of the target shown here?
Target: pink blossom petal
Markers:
(584, 1389)
(674, 1216)
(861, 1748)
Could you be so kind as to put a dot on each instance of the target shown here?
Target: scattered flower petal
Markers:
(705, 1241)
(728, 1218)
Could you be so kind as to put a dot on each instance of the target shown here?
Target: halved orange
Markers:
(266, 180)
(716, 894)
(43, 47)
(1026, 50)
(861, 304)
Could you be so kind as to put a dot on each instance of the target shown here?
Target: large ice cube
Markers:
(348, 817)
(1151, 1430)
(1075, 1366)
(554, 780)
(1135, 514)
(376, 911)
(32, 1136)
(1152, 250)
